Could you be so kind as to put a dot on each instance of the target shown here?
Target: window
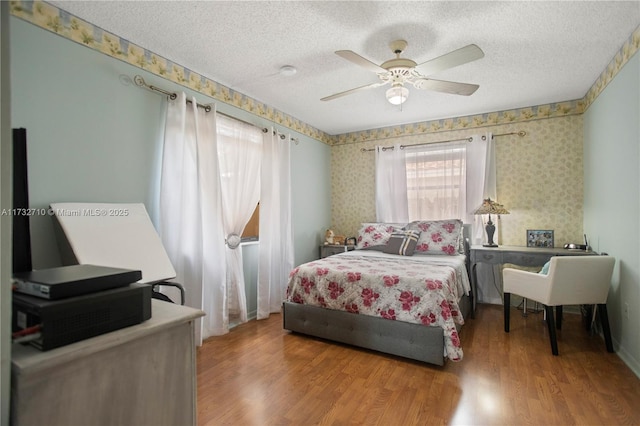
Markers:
(436, 181)
(252, 229)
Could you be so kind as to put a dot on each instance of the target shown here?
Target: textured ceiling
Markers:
(535, 52)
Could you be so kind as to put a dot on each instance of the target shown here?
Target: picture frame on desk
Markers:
(540, 238)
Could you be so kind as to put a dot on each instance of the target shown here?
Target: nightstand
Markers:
(331, 249)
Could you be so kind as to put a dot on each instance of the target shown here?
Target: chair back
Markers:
(116, 235)
(577, 280)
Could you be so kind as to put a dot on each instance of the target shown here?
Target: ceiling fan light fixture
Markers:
(397, 95)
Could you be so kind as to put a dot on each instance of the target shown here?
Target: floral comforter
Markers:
(417, 289)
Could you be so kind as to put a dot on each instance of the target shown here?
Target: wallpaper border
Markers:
(467, 122)
(53, 19)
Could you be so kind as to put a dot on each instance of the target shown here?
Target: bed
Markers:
(406, 304)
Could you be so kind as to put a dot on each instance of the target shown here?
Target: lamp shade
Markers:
(491, 207)
(397, 95)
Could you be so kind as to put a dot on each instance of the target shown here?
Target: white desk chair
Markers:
(115, 235)
(572, 280)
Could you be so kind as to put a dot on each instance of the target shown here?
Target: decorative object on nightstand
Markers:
(490, 207)
(328, 237)
(339, 240)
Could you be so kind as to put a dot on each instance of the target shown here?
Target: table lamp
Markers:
(490, 207)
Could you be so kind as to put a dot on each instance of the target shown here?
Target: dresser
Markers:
(143, 374)
(516, 255)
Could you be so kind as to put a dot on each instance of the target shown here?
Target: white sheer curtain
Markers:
(481, 184)
(240, 148)
(276, 236)
(481, 181)
(436, 180)
(190, 223)
(391, 185)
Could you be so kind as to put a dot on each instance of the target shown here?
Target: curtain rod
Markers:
(140, 82)
(172, 95)
(521, 133)
(282, 135)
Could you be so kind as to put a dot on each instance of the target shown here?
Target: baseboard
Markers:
(627, 358)
(252, 315)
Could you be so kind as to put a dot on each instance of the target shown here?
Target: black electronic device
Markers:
(73, 280)
(65, 321)
(21, 235)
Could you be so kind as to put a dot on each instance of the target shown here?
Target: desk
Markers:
(143, 374)
(521, 256)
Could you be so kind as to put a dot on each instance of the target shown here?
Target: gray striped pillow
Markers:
(402, 242)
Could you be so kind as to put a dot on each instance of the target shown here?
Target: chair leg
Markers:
(507, 311)
(606, 330)
(552, 329)
(558, 317)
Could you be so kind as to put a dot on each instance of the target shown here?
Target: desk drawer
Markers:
(526, 259)
(487, 256)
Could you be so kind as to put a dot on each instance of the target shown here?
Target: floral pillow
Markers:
(375, 234)
(437, 236)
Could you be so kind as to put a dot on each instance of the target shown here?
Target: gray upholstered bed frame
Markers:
(413, 341)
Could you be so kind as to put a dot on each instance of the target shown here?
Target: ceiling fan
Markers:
(398, 71)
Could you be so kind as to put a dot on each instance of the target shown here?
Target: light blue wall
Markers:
(310, 174)
(93, 138)
(612, 199)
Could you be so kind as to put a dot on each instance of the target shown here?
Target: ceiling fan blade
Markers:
(452, 87)
(359, 60)
(452, 59)
(357, 89)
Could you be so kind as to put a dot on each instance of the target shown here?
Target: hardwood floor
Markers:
(260, 374)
